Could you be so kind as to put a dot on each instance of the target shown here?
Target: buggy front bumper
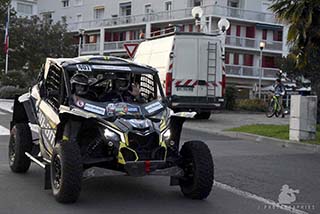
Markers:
(137, 169)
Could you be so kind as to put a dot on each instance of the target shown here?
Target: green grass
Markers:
(276, 131)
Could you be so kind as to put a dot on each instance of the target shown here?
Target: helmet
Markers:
(79, 84)
(122, 82)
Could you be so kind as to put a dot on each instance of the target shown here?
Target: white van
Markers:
(190, 67)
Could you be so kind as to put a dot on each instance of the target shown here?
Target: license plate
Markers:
(189, 89)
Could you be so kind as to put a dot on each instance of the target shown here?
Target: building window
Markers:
(25, 9)
(264, 34)
(65, 3)
(148, 9)
(47, 17)
(125, 9)
(78, 2)
(197, 3)
(233, 3)
(98, 13)
(277, 35)
(168, 6)
(79, 17)
(236, 59)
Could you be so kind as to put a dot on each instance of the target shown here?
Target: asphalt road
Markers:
(241, 168)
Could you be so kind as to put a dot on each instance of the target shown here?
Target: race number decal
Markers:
(83, 67)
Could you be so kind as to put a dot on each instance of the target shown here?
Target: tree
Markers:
(33, 39)
(302, 17)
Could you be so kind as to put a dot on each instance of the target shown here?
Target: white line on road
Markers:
(4, 131)
(6, 105)
(257, 198)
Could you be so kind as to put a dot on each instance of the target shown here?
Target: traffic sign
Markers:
(131, 48)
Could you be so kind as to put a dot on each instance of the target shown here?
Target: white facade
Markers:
(25, 8)
(108, 24)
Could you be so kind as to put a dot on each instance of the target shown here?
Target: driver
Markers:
(122, 90)
(79, 84)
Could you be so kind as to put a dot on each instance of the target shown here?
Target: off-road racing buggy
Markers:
(100, 116)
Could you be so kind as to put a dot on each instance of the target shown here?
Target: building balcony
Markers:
(242, 42)
(90, 48)
(118, 46)
(251, 72)
(109, 47)
(209, 10)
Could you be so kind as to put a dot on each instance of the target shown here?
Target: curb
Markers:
(258, 138)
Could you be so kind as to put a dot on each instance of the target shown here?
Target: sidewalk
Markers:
(221, 121)
(218, 123)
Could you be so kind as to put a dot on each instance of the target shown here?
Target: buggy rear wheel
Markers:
(198, 169)
(66, 172)
(19, 143)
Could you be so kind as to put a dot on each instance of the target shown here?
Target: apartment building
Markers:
(25, 8)
(108, 24)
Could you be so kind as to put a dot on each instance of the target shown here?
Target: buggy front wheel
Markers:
(197, 165)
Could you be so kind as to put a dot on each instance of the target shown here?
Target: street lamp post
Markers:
(81, 33)
(261, 45)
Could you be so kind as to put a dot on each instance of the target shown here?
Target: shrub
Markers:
(19, 79)
(9, 92)
(230, 97)
(252, 105)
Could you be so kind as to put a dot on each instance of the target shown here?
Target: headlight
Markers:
(166, 135)
(110, 135)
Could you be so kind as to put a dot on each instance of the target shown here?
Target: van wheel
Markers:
(203, 115)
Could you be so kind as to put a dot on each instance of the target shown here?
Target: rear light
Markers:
(223, 84)
(168, 84)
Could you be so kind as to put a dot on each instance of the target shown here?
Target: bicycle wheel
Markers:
(271, 108)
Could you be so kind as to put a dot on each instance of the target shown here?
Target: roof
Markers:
(100, 63)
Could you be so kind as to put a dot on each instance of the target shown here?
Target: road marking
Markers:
(4, 131)
(257, 198)
(6, 105)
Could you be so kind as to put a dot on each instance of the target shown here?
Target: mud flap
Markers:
(47, 177)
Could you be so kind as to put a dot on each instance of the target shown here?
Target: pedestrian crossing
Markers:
(5, 109)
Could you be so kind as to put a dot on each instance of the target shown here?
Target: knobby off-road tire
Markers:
(19, 143)
(66, 172)
(198, 167)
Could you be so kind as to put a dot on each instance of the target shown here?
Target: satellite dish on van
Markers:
(197, 12)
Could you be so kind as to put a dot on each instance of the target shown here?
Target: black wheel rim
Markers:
(189, 169)
(56, 172)
(12, 146)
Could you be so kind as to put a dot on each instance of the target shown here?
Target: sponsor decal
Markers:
(47, 131)
(153, 107)
(111, 67)
(94, 109)
(80, 103)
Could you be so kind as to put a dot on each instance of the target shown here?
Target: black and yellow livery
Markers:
(93, 135)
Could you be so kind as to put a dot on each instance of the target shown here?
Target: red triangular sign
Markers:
(131, 48)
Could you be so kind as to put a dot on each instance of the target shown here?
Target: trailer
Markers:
(191, 69)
